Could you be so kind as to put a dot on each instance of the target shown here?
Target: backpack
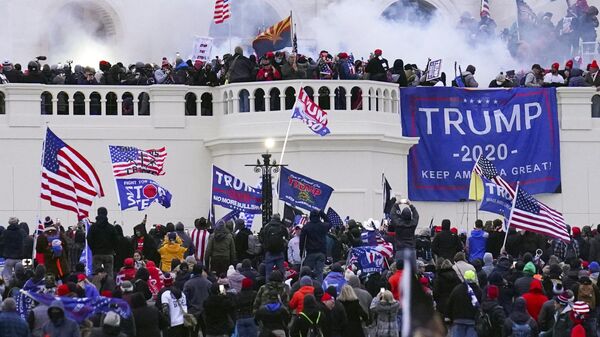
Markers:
(483, 324)
(254, 245)
(521, 330)
(314, 330)
(586, 294)
(274, 239)
(570, 252)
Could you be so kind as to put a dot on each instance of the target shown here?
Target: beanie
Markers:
(529, 269)
(326, 297)
(112, 319)
(13, 220)
(594, 267)
(62, 290)
(492, 292)
(306, 281)
(470, 276)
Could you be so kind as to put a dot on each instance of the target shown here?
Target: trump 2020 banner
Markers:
(303, 192)
(141, 193)
(517, 129)
(232, 193)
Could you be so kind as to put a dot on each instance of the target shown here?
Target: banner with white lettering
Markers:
(303, 192)
(517, 129)
(202, 48)
(232, 193)
(141, 193)
(495, 199)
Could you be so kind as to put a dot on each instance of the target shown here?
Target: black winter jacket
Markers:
(313, 237)
(102, 237)
(405, 223)
(446, 245)
(459, 303)
(13, 242)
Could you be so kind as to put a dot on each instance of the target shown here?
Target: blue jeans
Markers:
(246, 327)
(316, 262)
(274, 260)
(463, 330)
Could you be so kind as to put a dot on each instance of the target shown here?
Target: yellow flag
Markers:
(476, 187)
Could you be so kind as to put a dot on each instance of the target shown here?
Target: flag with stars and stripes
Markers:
(69, 181)
(485, 8)
(533, 216)
(334, 218)
(525, 15)
(221, 11)
(485, 168)
(127, 160)
(79, 309)
(376, 240)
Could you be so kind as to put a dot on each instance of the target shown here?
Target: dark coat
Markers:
(405, 223)
(123, 249)
(147, 318)
(301, 325)
(356, 315)
(445, 281)
(496, 315)
(218, 315)
(272, 316)
(313, 237)
(150, 248)
(446, 245)
(102, 237)
(494, 242)
(196, 292)
(241, 69)
(13, 242)
(520, 316)
(459, 303)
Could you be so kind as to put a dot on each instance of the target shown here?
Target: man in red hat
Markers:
(592, 77)
(377, 67)
(553, 78)
(346, 68)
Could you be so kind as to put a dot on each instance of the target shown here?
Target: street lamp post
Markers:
(266, 169)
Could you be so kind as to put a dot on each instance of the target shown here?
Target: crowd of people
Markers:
(300, 280)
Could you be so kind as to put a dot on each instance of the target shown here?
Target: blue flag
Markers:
(334, 218)
(232, 193)
(79, 309)
(495, 199)
(25, 303)
(141, 193)
(303, 192)
(515, 129)
(86, 254)
(368, 259)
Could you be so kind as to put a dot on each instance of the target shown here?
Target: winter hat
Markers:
(112, 319)
(106, 293)
(378, 52)
(555, 65)
(62, 290)
(569, 64)
(128, 262)
(306, 281)
(594, 267)
(583, 274)
(102, 211)
(80, 277)
(13, 221)
(326, 297)
(529, 269)
(500, 79)
(576, 231)
(454, 230)
(580, 307)
(247, 283)
(470, 276)
(172, 236)
(594, 64)
(191, 260)
(277, 276)
(127, 286)
(168, 280)
(565, 298)
(492, 292)
(343, 55)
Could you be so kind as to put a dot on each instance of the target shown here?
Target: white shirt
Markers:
(551, 78)
(294, 250)
(176, 307)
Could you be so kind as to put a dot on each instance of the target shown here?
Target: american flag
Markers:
(485, 168)
(69, 181)
(221, 11)
(127, 160)
(531, 215)
(524, 13)
(374, 239)
(485, 8)
(334, 218)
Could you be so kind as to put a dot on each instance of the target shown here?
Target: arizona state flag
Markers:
(275, 37)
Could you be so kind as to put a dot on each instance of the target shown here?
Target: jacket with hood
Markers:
(241, 69)
(546, 318)
(149, 247)
(334, 279)
(386, 318)
(218, 313)
(496, 314)
(142, 277)
(405, 223)
(535, 299)
(488, 263)
(445, 281)
(221, 245)
(522, 283)
(272, 316)
(519, 316)
(270, 287)
(297, 301)
(477, 244)
(494, 243)
(170, 250)
(241, 240)
(185, 238)
(459, 302)
(63, 327)
(445, 244)
(122, 248)
(314, 235)
(196, 290)
(364, 297)
(13, 242)
(102, 236)
(147, 318)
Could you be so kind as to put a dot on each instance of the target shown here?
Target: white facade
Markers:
(363, 143)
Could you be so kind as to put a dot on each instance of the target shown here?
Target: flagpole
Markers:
(477, 201)
(510, 217)
(39, 209)
(517, 22)
(292, 29)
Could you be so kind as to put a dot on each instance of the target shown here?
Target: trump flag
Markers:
(141, 193)
(303, 192)
(310, 113)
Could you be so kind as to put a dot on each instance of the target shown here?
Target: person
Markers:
(218, 312)
(562, 317)
(313, 243)
(495, 238)
(312, 318)
(519, 322)
(127, 272)
(13, 239)
(534, 78)
(461, 266)
(267, 71)
(463, 305)
(146, 317)
(377, 67)
(143, 242)
(196, 290)
(592, 78)
(293, 250)
(174, 306)
(200, 236)
(272, 317)
(522, 284)
(586, 291)
(11, 324)
(443, 284)
(355, 313)
(477, 242)
(385, 309)
(186, 241)
(274, 285)
(553, 78)
(581, 313)
(141, 283)
(240, 68)
(346, 68)
(306, 288)
(364, 297)
(335, 278)
(405, 220)
(493, 310)
(59, 325)
(53, 249)
(274, 237)
(111, 326)
(102, 238)
(87, 286)
(395, 279)
(244, 304)
(170, 249)
(241, 234)
(535, 298)
(500, 82)
(3, 78)
(220, 251)
(445, 243)
(469, 78)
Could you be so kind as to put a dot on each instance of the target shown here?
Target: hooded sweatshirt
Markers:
(535, 298)
(61, 327)
(488, 263)
(102, 237)
(518, 318)
(477, 242)
(522, 283)
(405, 223)
(334, 279)
(221, 244)
(170, 250)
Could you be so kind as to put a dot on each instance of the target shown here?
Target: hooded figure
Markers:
(535, 298)
(185, 238)
(488, 263)
(170, 249)
(445, 281)
(404, 219)
(519, 322)
(102, 239)
(59, 325)
(220, 252)
(122, 248)
(143, 242)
